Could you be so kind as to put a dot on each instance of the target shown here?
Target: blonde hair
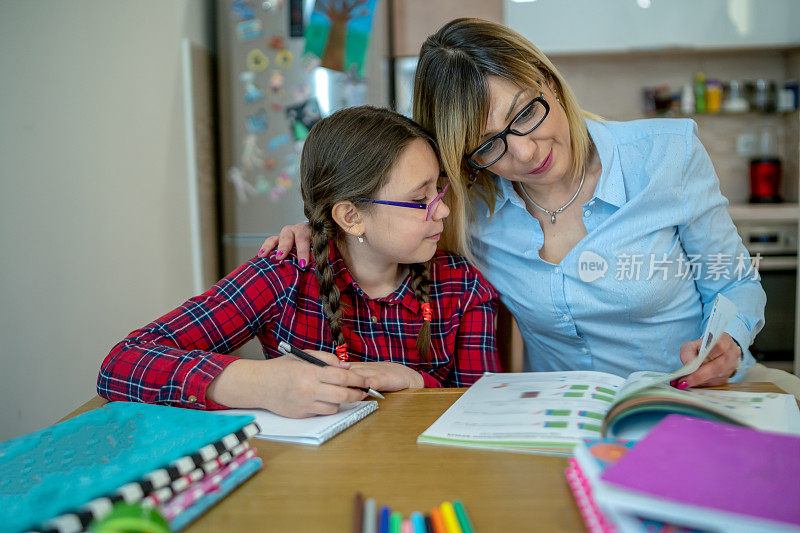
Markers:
(451, 100)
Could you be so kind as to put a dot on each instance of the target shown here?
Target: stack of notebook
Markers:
(177, 461)
(689, 475)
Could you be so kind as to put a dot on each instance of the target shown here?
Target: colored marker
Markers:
(406, 527)
(358, 513)
(450, 519)
(418, 521)
(371, 516)
(463, 517)
(395, 522)
(383, 524)
(438, 521)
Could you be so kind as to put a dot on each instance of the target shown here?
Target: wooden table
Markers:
(310, 488)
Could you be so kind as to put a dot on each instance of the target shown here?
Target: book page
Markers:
(528, 410)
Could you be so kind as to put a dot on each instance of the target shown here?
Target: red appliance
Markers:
(765, 179)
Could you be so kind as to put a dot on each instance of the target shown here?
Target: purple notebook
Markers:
(715, 466)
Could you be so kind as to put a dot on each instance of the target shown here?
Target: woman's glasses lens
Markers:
(525, 122)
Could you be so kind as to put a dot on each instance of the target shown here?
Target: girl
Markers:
(397, 313)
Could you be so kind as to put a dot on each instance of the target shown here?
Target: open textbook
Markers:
(550, 412)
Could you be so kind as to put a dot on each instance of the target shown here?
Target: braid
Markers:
(322, 238)
(421, 284)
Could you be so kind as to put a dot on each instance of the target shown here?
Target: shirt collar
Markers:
(343, 279)
(610, 187)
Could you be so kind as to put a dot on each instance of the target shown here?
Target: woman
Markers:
(607, 241)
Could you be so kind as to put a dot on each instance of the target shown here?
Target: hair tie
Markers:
(341, 352)
(427, 313)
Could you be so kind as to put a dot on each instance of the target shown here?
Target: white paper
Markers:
(313, 430)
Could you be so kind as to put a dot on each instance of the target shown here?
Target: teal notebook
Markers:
(59, 468)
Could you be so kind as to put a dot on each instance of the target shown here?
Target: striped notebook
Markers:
(160, 485)
(60, 468)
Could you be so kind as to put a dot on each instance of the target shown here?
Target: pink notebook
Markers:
(709, 474)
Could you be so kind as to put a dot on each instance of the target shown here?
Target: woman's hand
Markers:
(720, 364)
(298, 236)
(388, 377)
(288, 387)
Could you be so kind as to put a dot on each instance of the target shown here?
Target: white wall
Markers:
(590, 26)
(94, 224)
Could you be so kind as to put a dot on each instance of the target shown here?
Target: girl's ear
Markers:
(347, 216)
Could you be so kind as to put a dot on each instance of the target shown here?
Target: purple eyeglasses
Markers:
(414, 205)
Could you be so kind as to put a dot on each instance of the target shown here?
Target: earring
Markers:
(360, 238)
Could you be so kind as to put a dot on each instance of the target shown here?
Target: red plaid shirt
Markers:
(173, 359)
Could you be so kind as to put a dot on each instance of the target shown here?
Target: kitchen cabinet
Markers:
(414, 20)
(629, 25)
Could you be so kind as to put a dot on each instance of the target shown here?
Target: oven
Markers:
(774, 238)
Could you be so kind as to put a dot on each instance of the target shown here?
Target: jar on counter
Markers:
(713, 95)
(763, 96)
(734, 101)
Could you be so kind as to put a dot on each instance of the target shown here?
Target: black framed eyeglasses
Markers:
(429, 207)
(524, 122)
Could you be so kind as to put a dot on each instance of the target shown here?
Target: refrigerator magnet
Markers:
(252, 156)
(276, 107)
(262, 185)
(242, 186)
(276, 42)
(284, 181)
(310, 62)
(249, 29)
(271, 5)
(276, 194)
(251, 92)
(302, 118)
(284, 58)
(256, 60)
(257, 122)
(278, 141)
(243, 10)
(270, 162)
(276, 80)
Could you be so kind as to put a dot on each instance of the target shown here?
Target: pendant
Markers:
(553, 218)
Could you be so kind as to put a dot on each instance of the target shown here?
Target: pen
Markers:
(288, 349)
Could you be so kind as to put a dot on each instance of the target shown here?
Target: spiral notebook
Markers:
(60, 468)
(314, 430)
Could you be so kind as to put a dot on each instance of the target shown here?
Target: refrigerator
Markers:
(270, 94)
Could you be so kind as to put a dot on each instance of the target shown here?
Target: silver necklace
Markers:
(560, 209)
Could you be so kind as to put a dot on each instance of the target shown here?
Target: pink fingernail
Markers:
(279, 254)
(302, 263)
(673, 383)
(261, 251)
(683, 384)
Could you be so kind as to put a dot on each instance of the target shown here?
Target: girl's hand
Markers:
(720, 364)
(388, 377)
(288, 387)
(298, 236)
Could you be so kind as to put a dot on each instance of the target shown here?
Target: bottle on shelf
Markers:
(700, 92)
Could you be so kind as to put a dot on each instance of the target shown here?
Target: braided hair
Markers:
(348, 156)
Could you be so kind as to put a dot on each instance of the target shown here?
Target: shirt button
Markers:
(584, 350)
(192, 399)
(591, 203)
(374, 319)
(555, 270)
(565, 318)
(587, 213)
